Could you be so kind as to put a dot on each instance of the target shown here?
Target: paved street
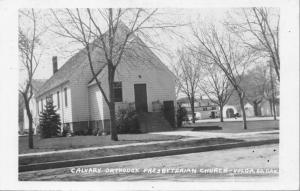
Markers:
(232, 164)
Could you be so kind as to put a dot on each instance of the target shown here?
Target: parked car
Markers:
(214, 114)
(236, 115)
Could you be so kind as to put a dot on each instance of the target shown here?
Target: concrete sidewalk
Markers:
(193, 135)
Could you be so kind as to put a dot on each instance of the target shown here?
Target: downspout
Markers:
(37, 116)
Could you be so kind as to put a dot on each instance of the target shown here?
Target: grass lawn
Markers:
(237, 126)
(61, 143)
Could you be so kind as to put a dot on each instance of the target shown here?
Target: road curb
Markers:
(118, 158)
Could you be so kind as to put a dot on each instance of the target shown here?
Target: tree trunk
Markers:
(255, 107)
(193, 109)
(113, 128)
(271, 107)
(221, 114)
(274, 109)
(30, 120)
(241, 96)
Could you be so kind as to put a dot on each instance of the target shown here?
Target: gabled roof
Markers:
(78, 61)
(64, 73)
(139, 52)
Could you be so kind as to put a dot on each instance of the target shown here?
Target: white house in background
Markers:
(205, 109)
(249, 110)
(267, 108)
(36, 84)
(141, 81)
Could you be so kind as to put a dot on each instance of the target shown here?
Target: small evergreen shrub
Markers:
(66, 130)
(95, 131)
(181, 115)
(49, 121)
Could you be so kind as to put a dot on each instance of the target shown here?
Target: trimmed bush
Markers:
(181, 115)
(127, 121)
(66, 130)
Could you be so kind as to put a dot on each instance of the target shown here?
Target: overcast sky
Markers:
(55, 46)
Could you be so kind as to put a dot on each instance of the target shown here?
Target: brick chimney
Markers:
(54, 63)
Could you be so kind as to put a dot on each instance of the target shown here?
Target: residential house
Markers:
(249, 110)
(206, 109)
(141, 81)
(264, 109)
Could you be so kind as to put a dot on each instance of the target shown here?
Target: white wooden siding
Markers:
(80, 91)
(65, 112)
(86, 103)
(160, 85)
(95, 103)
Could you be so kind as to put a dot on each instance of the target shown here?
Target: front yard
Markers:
(203, 138)
(62, 143)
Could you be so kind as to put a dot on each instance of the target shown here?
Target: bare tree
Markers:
(178, 82)
(28, 42)
(255, 84)
(216, 87)
(228, 54)
(188, 72)
(87, 27)
(259, 30)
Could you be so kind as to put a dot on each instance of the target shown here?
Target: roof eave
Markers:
(46, 91)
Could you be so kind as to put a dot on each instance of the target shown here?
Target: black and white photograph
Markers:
(150, 96)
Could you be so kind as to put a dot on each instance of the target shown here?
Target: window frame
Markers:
(66, 96)
(42, 107)
(58, 100)
(118, 86)
(49, 97)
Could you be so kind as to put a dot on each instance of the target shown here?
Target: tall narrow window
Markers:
(66, 97)
(42, 105)
(58, 103)
(117, 87)
(38, 107)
